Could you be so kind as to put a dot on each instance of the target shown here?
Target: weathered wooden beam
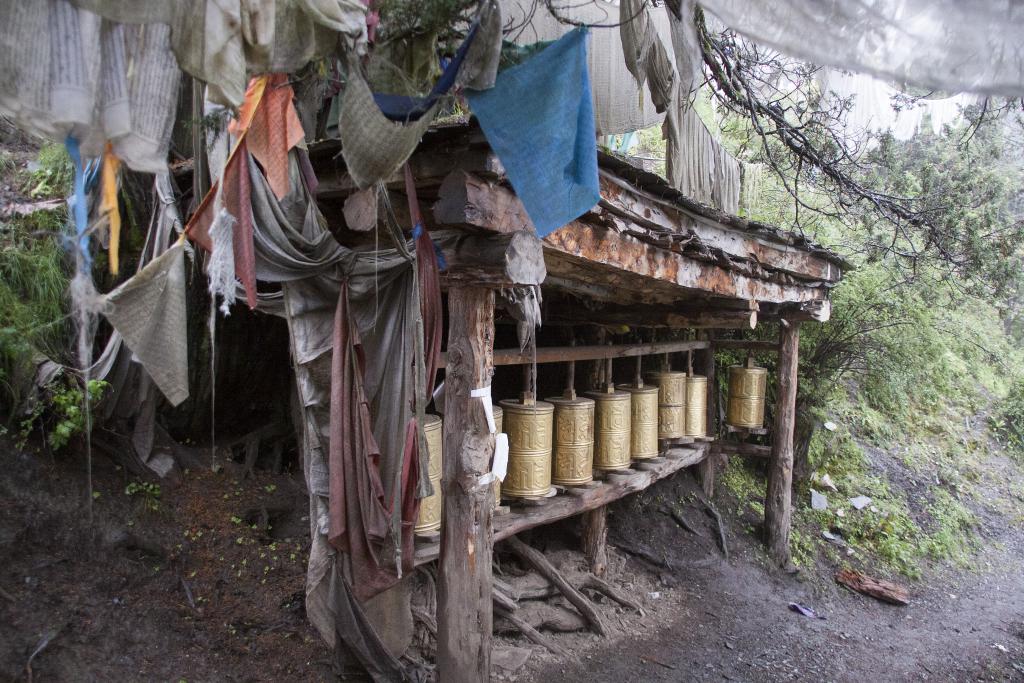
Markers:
(561, 354)
(706, 361)
(752, 450)
(655, 315)
(494, 260)
(466, 199)
(594, 533)
(563, 507)
(778, 501)
(431, 164)
(657, 213)
(602, 252)
(745, 344)
(464, 572)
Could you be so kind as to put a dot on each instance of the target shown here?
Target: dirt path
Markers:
(730, 620)
(734, 625)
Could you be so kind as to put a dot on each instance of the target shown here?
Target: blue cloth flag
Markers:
(539, 119)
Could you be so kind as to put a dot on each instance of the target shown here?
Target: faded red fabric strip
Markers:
(245, 252)
(429, 285)
(357, 513)
(410, 503)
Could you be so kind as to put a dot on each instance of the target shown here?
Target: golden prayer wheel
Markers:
(611, 429)
(529, 448)
(574, 441)
(429, 518)
(643, 421)
(671, 403)
(696, 405)
(498, 413)
(746, 396)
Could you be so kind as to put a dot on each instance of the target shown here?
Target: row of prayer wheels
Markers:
(562, 440)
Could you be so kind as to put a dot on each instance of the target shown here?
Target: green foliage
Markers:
(403, 19)
(64, 408)
(52, 175)
(149, 493)
(1008, 420)
(33, 282)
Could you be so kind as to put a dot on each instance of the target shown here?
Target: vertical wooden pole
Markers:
(706, 469)
(464, 574)
(778, 503)
(595, 539)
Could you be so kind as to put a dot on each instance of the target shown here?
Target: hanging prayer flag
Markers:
(539, 119)
(108, 203)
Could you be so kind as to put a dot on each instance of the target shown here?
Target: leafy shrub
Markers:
(1008, 420)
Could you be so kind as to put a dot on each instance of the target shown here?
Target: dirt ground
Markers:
(729, 620)
(204, 582)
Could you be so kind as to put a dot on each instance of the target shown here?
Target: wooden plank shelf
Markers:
(562, 354)
(581, 500)
(750, 450)
(746, 431)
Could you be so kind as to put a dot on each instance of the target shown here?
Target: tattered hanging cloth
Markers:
(952, 45)
(698, 165)
(66, 72)
(148, 311)
(374, 146)
(274, 130)
(221, 42)
(645, 55)
(539, 119)
(620, 105)
(359, 513)
(695, 162)
(269, 122)
(428, 267)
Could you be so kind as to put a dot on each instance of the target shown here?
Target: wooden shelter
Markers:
(644, 257)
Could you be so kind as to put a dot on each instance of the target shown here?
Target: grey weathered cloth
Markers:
(294, 247)
(65, 71)
(223, 42)
(148, 311)
(696, 164)
(373, 146)
(620, 103)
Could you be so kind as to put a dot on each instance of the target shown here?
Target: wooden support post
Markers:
(595, 539)
(707, 468)
(778, 504)
(464, 573)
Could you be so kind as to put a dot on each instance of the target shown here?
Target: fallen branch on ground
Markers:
(678, 518)
(536, 559)
(880, 589)
(604, 588)
(530, 632)
(713, 512)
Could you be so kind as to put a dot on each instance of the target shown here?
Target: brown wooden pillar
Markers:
(464, 574)
(706, 469)
(778, 501)
(595, 539)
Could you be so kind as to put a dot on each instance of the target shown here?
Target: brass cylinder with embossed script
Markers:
(643, 420)
(498, 413)
(429, 518)
(611, 429)
(573, 458)
(671, 403)
(747, 387)
(528, 426)
(696, 405)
